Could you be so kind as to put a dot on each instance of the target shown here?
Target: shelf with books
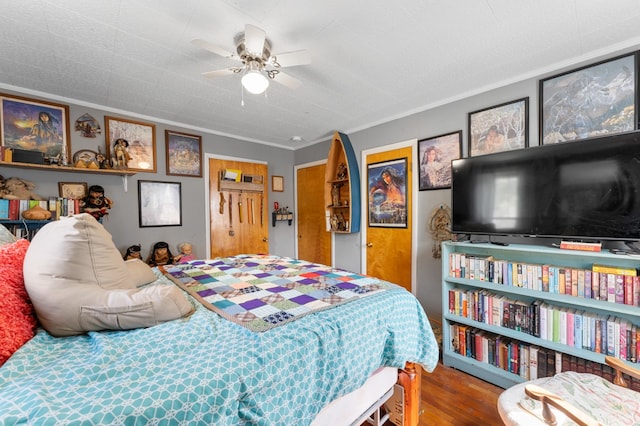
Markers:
(67, 169)
(487, 291)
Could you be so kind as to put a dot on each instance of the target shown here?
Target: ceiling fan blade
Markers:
(213, 48)
(219, 73)
(254, 38)
(287, 81)
(290, 59)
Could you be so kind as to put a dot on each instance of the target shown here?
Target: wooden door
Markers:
(389, 250)
(314, 241)
(238, 218)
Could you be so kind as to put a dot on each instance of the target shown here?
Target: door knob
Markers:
(369, 244)
(299, 237)
(265, 240)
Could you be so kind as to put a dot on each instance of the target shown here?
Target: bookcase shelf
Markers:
(534, 255)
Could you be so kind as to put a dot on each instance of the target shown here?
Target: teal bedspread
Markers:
(206, 370)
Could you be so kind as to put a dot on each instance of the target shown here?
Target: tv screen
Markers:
(583, 190)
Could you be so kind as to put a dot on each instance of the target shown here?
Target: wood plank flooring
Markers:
(453, 398)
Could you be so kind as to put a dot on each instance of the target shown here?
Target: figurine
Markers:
(186, 253)
(160, 255)
(133, 252)
(121, 154)
(96, 204)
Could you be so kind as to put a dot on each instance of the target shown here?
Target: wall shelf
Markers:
(65, 169)
(342, 187)
(277, 217)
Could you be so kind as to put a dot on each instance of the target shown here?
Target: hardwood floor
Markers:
(453, 398)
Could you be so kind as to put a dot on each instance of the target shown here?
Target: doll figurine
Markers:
(160, 255)
(186, 253)
(133, 252)
(96, 204)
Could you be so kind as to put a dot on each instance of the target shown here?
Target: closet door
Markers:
(314, 242)
(238, 218)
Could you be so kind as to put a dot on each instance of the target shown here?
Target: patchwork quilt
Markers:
(260, 292)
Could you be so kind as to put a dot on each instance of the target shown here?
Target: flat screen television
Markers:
(587, 190)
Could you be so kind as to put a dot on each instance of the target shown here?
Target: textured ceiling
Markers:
(372, 61)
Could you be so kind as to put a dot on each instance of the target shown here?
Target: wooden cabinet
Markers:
(342, 187)
(481, 298)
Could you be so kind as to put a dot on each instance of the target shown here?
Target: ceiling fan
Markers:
(259, 66)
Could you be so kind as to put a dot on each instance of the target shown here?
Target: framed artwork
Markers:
(435, 156)
(277, 183)
(131, 144)
(387, 189)
(589, 101)
(73, 190)
(184, 154)
(35, 125)
(159, 203)
(499, 128)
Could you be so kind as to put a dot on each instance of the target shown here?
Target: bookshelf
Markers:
(527, 295)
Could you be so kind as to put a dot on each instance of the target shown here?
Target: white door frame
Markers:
(295, 203)
(207, 191)
(414, 206)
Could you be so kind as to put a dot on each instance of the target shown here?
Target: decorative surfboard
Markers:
(342, 187)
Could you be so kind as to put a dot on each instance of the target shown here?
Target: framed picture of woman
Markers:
(435, 156)
(387, 189)
(34, 125)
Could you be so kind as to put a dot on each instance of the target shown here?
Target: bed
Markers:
(206, 368)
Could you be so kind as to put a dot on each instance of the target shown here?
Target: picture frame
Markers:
(159, 203)
(140, 143)
(73, 190)
(590, 101)
(386, 194)
(35, 125)
(502, 127)
(277, 183)
(184, 154)
(435, 155)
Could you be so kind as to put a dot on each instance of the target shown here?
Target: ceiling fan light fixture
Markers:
(254, 81)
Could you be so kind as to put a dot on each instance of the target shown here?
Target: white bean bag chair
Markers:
(78, 282)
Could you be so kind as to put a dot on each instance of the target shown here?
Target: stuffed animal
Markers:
(20, 189)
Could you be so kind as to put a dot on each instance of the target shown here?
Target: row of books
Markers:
(609, 335)
(600, 282)
(528, 361)
(58, 206)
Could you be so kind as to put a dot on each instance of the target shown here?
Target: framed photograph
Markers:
(73, 190)
(34, 125)
(387, 189)
(159, 203)
(277, 183)
(184, 154)
(435, 156)
(589, 101)
(499, 128)
(131, 144)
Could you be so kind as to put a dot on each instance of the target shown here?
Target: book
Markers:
(614, 270)
(4, 208)
(580, 245)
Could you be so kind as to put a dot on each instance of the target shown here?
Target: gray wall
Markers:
(438, 120)
(122, 221)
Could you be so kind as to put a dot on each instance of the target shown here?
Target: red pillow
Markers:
(17, 318)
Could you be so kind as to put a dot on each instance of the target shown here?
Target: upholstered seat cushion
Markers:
(78, 282)
(605, 402)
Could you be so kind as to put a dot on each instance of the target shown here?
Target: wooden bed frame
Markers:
(410, 378)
